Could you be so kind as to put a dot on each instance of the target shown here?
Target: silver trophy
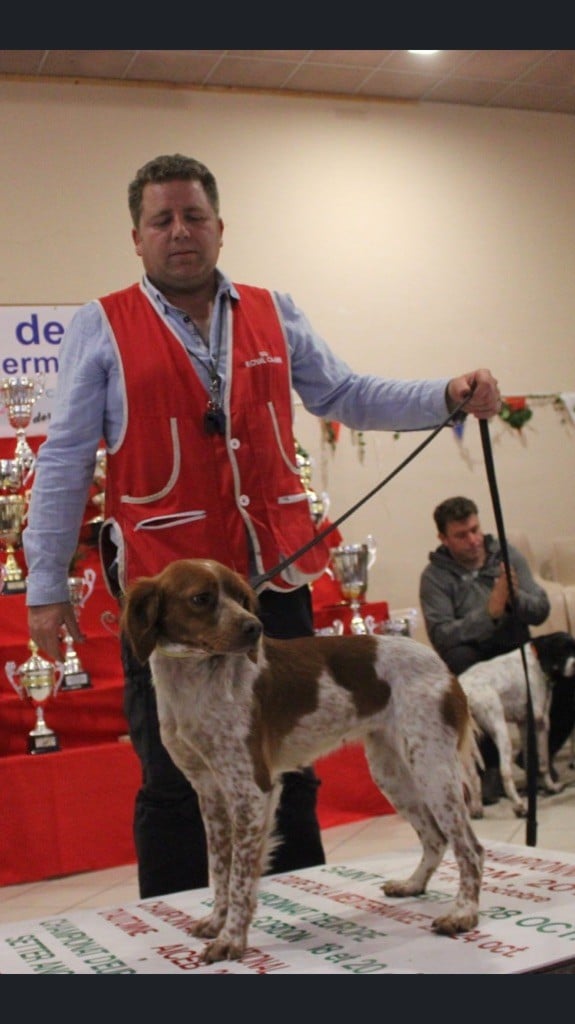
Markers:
(37, 679)
(351, 564)
(17, 395)
(12, 516)
(80, 588)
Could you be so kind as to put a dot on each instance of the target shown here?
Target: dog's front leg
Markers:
(218, 829)
(252, 820)
(542, 728)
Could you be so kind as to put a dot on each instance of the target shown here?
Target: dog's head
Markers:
(193, 604)
(556, 654)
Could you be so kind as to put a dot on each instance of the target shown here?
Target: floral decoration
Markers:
(515, 411)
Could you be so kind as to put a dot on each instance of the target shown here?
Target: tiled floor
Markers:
(555, 830)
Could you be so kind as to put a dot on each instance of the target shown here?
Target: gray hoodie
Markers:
(454, 606)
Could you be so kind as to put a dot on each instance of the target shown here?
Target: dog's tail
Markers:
(471, 740)
(473, 765)
(470, 755)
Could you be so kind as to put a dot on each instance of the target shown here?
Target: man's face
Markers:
(179, 236)
(465, 542)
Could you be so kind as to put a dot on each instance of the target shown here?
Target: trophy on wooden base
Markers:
(75, 676)
(351, 564)
(12, 516)
(37, 679)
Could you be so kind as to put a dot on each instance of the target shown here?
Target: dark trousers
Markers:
(168, 830)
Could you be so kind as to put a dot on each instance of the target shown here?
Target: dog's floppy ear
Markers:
(139, 620)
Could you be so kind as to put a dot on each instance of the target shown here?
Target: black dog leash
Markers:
(531, 766)
(257, 581)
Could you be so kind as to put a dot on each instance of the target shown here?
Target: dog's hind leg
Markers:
(431, 798)
(489, 714)
(392, 776)
(499, 732)
(440, 782)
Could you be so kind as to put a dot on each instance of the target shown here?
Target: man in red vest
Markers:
(188, 378)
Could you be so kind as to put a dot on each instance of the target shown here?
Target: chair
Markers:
(563, 559)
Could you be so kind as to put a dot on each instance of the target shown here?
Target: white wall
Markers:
(421, 240)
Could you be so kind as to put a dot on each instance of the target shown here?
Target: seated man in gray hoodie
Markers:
(465, 603)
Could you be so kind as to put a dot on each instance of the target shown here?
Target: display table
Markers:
(333, 919)
(71, 810)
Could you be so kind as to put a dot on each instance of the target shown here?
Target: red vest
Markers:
(175, 491)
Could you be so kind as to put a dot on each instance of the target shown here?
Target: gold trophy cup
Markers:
(18, 395)
(318, 503)
(351, 564)
(12, 516)
(37, 679)
(10, 475)
(79, 588)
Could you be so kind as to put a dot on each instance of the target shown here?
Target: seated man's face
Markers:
(465, 542)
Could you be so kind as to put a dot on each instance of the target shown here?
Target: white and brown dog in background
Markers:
(236, 710)
(497, 695)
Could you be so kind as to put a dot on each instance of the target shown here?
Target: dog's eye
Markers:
(201, 600)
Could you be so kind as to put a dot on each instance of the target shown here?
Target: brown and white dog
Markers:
(497, 694)
(236, 710)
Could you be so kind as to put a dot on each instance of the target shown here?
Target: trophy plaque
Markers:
(351, 564)
(75, 676)
(18, 395)
(12, 516)
(37, 679)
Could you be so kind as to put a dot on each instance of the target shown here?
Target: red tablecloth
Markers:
(67, 812)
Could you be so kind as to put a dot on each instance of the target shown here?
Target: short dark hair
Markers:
(170, 168)
(453, 510)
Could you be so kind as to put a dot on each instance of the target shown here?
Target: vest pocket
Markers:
(167, 521)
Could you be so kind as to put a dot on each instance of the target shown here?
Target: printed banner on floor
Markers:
(30, 338)
(333, 919)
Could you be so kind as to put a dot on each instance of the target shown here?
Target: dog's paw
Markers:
(223, 948)
(456, 921)
(520, 810)
(205, 927)
(549, 786)
(402, 887)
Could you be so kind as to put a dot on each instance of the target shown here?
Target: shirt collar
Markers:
(225, 287)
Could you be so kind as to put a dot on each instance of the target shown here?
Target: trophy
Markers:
(10, 475)
(12, 515)
(401, 622)
(75, 676)
(351, 564)
(18, 395)
(336, 629)
(318, 503)
(91, 529)
(37, 679)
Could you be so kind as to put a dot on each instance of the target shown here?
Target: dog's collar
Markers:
(170, 652)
